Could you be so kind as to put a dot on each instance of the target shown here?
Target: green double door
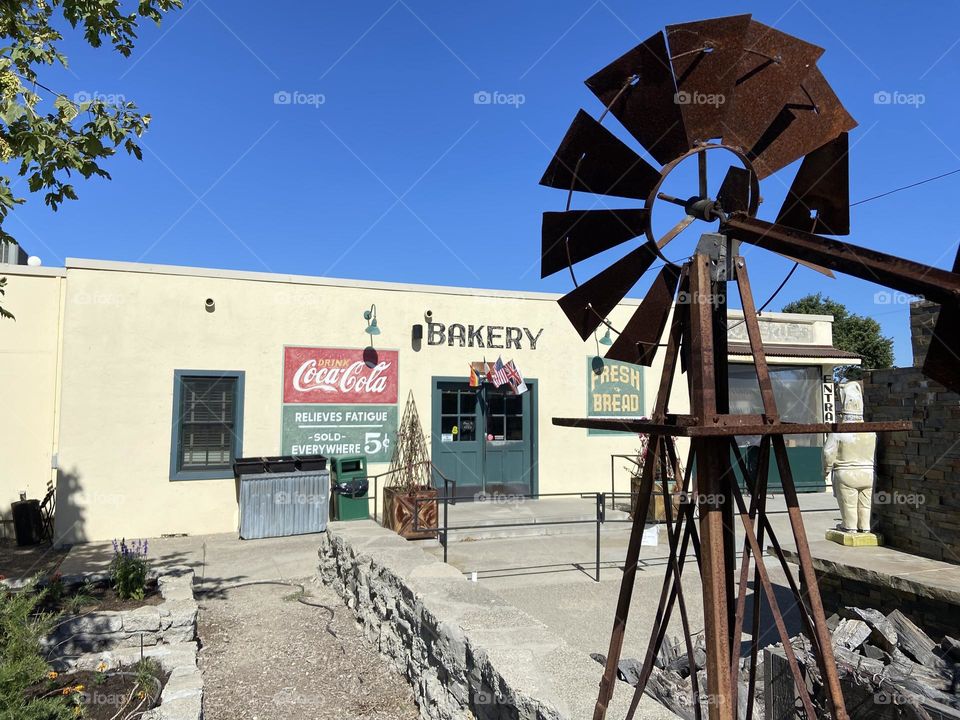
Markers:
(483, 438)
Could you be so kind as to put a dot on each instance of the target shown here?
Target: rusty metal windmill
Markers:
(777, 107)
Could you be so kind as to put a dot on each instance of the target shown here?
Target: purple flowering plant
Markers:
(128, 569)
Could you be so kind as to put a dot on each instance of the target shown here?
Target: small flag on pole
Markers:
(515, 379)
(500, 375)
(475, 378)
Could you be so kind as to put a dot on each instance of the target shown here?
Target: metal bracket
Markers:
(722, 251)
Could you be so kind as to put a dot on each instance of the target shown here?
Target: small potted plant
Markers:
(409, 498)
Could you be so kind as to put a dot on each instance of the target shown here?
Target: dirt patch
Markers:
(266, 655)
(97, 597)
(112, 695)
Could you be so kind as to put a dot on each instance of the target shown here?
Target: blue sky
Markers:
(384, 167)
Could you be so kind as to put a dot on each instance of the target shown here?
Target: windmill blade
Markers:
(587, 305)
(943, 355)
(819, 198)
(640, 338)
(703, 54)
(810, 119)
(897, 273)
(734, 193)
(575, 235)
(639, 90)
(591, 159)
(770, 70)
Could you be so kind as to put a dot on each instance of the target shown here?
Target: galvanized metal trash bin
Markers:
(281, 496)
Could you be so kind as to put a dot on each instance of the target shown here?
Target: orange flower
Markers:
(65, 691)
(52, 674)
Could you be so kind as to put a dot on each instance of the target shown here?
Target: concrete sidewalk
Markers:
(217, 560)
(552, 578)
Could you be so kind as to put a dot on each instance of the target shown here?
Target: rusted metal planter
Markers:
(400, 507)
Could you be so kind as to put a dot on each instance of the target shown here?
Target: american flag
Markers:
(500, 375)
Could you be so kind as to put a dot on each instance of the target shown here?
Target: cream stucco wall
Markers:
(129, 327)
(118, 331)
(29, 355)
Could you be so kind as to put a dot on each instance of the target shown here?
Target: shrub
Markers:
(128, 569)
(22, 626)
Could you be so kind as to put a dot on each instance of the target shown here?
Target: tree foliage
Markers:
(47, 136)
(851, 332)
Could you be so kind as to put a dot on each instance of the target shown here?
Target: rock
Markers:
(912, 640)
(144, 619)
(851, 634)
(183, 682)
(883, 634)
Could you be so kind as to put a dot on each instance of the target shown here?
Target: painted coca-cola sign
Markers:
(339, 375)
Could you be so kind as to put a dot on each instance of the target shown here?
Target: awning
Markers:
(817, 352)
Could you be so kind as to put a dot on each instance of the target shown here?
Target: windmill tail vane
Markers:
(728, 87)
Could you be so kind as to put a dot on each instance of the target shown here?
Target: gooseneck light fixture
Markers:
(371, 317)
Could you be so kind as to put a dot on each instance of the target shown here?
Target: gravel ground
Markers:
(265, 655)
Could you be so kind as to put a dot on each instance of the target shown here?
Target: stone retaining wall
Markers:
(917, 500)
(169, 631)
(172, 621)
(466, 652)
(936, 617)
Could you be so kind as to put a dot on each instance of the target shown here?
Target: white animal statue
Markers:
(849, 460)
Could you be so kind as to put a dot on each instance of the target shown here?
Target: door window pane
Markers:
(495, 425)
(468, 402)
(514, 427)
(448, 403)
(447, 424)
(468, 429)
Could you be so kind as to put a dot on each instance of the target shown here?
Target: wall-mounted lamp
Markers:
(606, 339)
(371, 317)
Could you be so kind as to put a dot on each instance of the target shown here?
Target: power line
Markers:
(905, 187)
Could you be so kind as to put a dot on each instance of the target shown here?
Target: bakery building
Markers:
(132, 387)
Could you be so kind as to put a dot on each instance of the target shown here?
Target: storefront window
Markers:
(458, 410)
(504, 416)
(796, 388)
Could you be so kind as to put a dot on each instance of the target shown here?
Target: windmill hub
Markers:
(703, 208)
